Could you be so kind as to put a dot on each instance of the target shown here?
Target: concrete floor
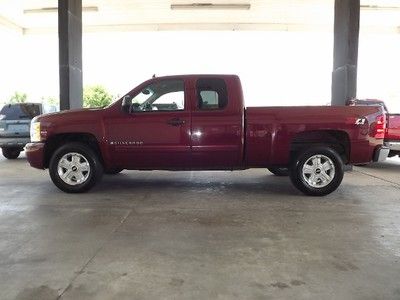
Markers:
(200, 235)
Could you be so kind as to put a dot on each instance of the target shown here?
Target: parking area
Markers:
(199, 235)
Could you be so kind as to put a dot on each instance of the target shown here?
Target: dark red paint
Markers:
(393, 130)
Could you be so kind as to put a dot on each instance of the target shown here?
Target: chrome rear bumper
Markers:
(14, 141)
(381, 154)
(394, 146)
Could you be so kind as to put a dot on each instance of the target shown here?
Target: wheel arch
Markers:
(337, 139)
(58, 140)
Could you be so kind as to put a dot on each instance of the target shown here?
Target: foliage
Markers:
(18, 98)
(96, 96)
(50, 100)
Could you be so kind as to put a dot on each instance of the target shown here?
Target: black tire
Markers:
(361, 165)
(11, 153)
(279, 171)
(113, 171)
(300, 180)
(82, 152)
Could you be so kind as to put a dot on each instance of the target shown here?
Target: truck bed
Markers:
(270, 131)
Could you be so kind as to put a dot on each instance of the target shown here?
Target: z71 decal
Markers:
(361, 121)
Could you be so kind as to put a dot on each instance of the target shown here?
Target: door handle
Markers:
(176, 122)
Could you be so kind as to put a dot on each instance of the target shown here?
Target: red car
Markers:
(199, 122)
(392, 133)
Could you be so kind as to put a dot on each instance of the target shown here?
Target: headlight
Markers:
(35, 132)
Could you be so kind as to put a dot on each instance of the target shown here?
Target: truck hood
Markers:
(66, 114)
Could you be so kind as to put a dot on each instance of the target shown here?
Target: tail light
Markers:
(380, 127)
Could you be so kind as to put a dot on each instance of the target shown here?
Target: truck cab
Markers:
(179, 123)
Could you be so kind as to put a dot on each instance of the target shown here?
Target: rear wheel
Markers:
(317, 171)
(75, 168)
(279, 171)
(11, 153)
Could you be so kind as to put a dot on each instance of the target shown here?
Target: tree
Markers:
(50, 100)
(96, 96)
(18, 98)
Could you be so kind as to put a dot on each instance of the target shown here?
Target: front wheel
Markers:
(75, 168)
(317, 171)
(11, 153)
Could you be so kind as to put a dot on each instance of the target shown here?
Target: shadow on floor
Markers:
(130, 181)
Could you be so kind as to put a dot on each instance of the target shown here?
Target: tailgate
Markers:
(14, 128)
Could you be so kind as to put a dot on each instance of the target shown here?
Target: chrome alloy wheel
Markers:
(73, 168)
(318, 171)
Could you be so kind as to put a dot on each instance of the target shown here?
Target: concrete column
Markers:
(70, 53)
(346, 32)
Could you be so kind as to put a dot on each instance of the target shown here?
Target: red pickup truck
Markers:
(199, 122)
(392, 133)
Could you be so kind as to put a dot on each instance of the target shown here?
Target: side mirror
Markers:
(126, 103)
(136, 107)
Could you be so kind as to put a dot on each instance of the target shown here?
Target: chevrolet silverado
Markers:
(199, 122)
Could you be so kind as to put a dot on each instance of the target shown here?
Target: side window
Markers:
(211, 93)
(170, 101)
(166, 95)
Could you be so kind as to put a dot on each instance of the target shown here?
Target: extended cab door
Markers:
(155, 133)
(217, 122)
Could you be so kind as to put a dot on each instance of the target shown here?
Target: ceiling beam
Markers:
(214, 27)
(190, 27)
(211, 6)
(10, 24)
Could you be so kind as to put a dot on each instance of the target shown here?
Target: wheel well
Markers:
(394, 153)
(58, 140)
(338, 140)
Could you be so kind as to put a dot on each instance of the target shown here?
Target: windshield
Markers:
(19, 111)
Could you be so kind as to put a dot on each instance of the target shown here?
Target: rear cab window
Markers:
(211, 94)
